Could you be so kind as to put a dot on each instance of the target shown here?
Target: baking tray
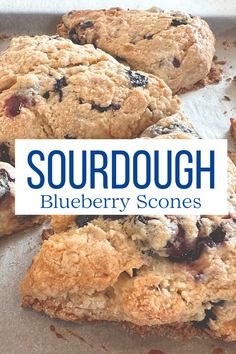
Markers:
(25, 331)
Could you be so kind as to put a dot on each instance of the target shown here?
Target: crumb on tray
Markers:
(221, 62)
(4, 36)
(226, 98)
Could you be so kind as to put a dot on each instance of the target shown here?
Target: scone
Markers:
(144, 270)
(53, 88)
(163, 272)
(9, 222)
(174, 46)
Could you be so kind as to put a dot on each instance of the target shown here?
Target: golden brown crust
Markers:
(213, 77)
(88, 273)
(176, 330)
(174, 46)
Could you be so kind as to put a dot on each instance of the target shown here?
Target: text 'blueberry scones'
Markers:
(9, 222)
(146, 270)
(172, 45)
(53, 88)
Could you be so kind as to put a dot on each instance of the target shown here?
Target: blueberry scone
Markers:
(162, 272)
(9, 222)
(174, 46)
(53, 88)
(149, 271)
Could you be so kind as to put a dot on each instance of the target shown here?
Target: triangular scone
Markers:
(53, 88)
(144, 270)
(9, 222)
(175, 46)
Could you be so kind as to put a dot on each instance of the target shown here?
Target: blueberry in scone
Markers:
(53, 88)
(9, 222)
(165, 272)
(176, 126)
(175, 46)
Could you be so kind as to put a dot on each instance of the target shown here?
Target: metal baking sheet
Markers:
(25, 331)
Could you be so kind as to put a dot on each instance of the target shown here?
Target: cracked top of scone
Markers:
(182, 238)
(175, 46)
(52, 88)
(176, 126)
